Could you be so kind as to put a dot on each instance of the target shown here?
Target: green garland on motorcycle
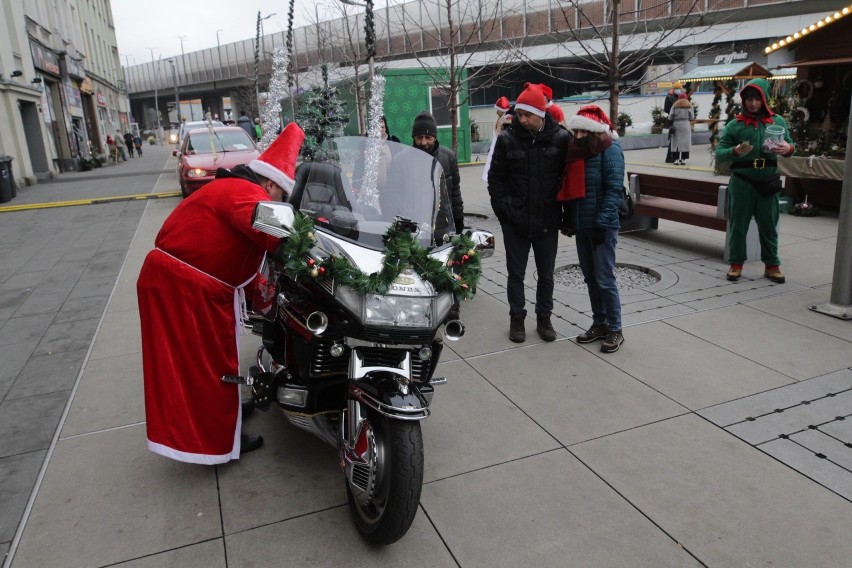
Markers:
(460, 273)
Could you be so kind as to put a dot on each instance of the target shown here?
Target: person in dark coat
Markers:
(425, 135)
(523, 182)
(128, 141)
(245, 123)
(596, 166)
(386, 135)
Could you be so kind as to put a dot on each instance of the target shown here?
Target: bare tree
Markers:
(449, 36)
(619, 55)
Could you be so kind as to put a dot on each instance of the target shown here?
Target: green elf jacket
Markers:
(745, 128)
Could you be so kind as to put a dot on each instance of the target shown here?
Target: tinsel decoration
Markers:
(270, 114)
(460, 274)
(212, 136)
(257, 56)
(715, 113)
(732, 109)
(369, 194)
(290, 81)
(369, 30)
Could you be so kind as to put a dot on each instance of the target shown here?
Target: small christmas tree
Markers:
(321, 116)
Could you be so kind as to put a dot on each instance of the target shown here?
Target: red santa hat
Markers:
(547, 92)
(593, 119)
(532, 100)
(502, 104)
(278, 162)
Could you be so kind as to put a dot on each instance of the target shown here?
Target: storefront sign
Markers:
(72, 98)
(87, 86)
(75, 68)
(45, 59)
(729, 58)
(99, 96)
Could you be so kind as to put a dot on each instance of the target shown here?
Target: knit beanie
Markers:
(424, 124)
(532, 100)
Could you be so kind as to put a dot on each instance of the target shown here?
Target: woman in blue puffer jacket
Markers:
(594, 176)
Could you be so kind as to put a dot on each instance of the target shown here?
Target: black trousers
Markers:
(518, 246)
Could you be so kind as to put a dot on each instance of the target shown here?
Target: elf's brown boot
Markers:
(774, 273)
(734, 272)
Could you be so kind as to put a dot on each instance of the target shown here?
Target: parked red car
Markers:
(202, 153)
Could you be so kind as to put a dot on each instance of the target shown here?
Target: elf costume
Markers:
(744, 201)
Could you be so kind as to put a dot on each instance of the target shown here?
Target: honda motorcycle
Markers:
(365, 289)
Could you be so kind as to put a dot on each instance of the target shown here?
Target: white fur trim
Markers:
(262, 168)
(578, 122)
(529, 108)
(549, 104)
(500, 108)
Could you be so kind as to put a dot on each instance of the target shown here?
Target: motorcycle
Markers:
(365, 289)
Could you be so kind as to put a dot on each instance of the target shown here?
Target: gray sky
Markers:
(140, 24)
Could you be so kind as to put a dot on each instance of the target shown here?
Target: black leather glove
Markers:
(597, 236)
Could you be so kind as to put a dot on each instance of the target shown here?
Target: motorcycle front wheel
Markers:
(395, 460)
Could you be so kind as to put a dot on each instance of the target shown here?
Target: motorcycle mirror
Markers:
(274, 218)
(483, 241)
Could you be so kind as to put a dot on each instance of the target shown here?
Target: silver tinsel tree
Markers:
(270, 114)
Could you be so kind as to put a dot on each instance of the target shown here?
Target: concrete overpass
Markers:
(537, 26)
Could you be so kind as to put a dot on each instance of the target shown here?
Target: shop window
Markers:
(439, 99)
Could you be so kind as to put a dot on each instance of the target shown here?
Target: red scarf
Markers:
(574, 176)
(751, 120)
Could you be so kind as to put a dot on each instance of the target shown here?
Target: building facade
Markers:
(61, 84)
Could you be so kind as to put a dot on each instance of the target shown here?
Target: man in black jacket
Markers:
(526, 170)
(425, 135)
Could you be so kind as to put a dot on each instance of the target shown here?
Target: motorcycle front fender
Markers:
(392, 404)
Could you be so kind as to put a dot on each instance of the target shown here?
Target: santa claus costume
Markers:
(191, 303)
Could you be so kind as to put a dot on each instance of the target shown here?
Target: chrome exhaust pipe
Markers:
(454, 330)
(317, 323)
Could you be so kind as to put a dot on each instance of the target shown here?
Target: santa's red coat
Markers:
(189, 292)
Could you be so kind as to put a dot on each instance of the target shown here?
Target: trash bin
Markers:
(7, 182)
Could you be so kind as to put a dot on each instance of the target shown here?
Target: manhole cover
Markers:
(627, 277)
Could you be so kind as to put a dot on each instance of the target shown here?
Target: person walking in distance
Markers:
(682, 115)
(504, 118)
(523, 181)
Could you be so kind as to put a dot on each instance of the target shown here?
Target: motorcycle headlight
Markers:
(398, 311)
(401, 311)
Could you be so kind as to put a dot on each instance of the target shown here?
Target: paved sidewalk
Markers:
(718, 435)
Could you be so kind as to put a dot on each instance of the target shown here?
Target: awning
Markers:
(784, 73)
(813, 62)
(739, 70)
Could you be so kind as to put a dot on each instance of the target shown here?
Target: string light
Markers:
(806, 30)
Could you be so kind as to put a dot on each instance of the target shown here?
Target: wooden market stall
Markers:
(819, 117)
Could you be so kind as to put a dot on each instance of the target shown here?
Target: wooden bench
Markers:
(695, 202)
(690, 201)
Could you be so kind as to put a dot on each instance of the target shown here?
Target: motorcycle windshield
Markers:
(357, 187)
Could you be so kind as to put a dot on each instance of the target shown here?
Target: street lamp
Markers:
(156, 101)
(177, 99)
(183, 61)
